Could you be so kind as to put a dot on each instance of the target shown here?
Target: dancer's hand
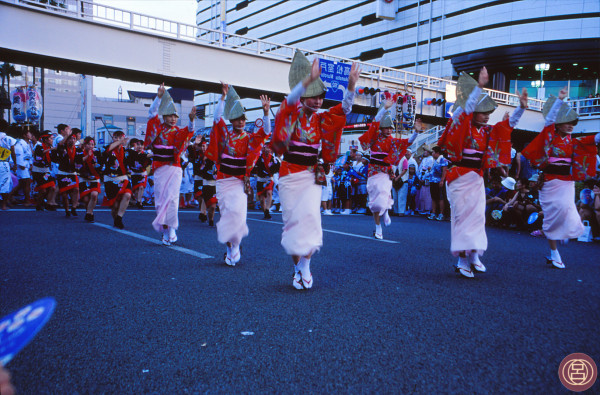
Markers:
(353, 76)
(563, 93)
(388, 103)
(506, 116)
(224, 89)
(523, 98)
(483, 77)
(192, 113)
(161, 90)
(6, 387)
(315, 72)
(266, 104)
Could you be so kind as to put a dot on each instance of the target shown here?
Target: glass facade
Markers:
(578, 89)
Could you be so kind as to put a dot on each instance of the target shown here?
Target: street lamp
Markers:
(537, 84)
(541, 67)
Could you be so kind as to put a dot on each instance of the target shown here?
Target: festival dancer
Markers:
(235, 154)
(266, 166)
(208, 174)
(68, 182)
(117, 185)
(299, 131)
(88, 162)
(385, 152)
(563, 160)
(41, 172)
(137, 162)
(473, 147)
(196, 158)
(167, 141)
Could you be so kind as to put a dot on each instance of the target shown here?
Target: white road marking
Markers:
(191, 252)
(332, 231)
(151, 240)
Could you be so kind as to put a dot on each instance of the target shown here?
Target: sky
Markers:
(177, 10)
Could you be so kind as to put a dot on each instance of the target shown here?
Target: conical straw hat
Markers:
(167, 106)
(565, 113)
(233, 105)
(299, 70)
(464, 87)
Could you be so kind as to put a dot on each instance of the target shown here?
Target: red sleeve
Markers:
(537, 150)
(332, 126)
(499, 146)
(367, 138)
(453, 138)
(255, 143)
(217, 141)
(397, 151)
(152, 129)
(584, 158)
(181, 139)
(284, 123)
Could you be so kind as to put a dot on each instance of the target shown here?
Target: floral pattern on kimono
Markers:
(237, 145)
(158, 133)
(292, 123)
(375, 141)
(582, 152)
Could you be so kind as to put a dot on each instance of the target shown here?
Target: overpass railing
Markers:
(428, 137)
(379, 75)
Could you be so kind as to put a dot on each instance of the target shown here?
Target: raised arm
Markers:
(266, 105)
(551, 117)
(518, 112)
(153, 110)
(349, 95)
(221, 104)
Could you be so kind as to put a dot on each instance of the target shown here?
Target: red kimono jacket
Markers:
(234, 153)
(491, 142)
(385, 151)
(294, 128)
(549, 146)
(165, 139)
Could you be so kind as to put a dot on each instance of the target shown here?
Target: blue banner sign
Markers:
(335, 76)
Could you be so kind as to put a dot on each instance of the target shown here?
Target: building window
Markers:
(131, 126)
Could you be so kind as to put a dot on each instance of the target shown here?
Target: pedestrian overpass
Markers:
(115, 43)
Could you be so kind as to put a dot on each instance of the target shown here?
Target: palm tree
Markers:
(7, 70)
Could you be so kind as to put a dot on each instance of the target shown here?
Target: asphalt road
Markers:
(387, 316)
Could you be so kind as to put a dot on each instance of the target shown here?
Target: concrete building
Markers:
(66, 96)
(435, 37)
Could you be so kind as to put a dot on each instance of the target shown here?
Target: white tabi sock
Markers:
(555, 256)
(304, 266)
(378, 229)
(235, 251)
(229, 252)
(386, 218)
(464, 262)
(474, 257)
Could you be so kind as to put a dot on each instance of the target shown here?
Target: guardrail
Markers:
(98, 13)
(586, 108)
(427, 137)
